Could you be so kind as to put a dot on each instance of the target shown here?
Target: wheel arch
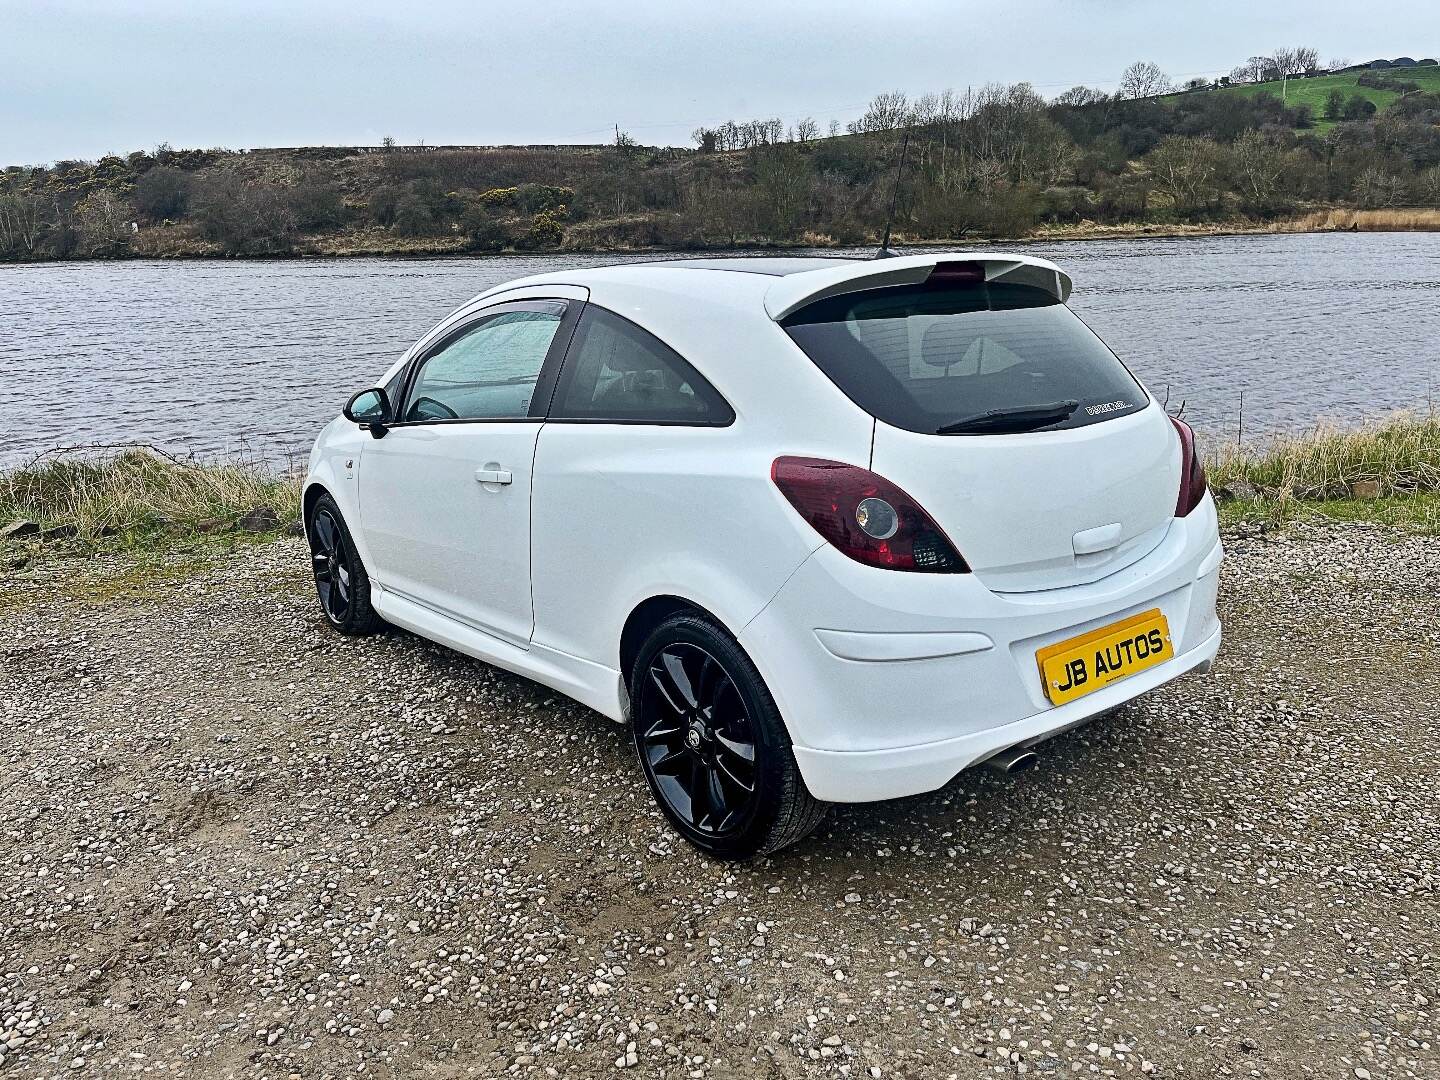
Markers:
(312, 494)
(649, 614)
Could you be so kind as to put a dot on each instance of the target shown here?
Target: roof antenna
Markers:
(885, 252)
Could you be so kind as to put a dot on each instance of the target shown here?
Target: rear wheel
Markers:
(713, 747)
(341, 582)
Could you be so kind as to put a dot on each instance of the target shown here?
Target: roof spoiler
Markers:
(796, 290)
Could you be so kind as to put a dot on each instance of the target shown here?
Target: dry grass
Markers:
(141, 496)
(1399, 219)
(1390, 466)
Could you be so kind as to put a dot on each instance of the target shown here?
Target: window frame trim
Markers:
(568, 366)
(544, 382)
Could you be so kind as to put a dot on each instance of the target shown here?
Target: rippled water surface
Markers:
(254, 357)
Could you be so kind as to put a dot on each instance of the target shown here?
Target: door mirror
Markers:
(370, 409)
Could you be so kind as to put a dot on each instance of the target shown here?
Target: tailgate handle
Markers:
(1103, 538)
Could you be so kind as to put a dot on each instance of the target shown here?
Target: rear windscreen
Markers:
(972, 358)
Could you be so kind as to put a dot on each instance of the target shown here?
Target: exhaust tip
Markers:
(1014, 760)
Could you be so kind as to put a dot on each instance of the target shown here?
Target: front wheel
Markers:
(341, 582)
(712, 744)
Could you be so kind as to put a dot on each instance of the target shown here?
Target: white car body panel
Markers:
(442, 537)
(1016, 504)
(889, 682)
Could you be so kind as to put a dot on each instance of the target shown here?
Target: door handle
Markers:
(494, 476)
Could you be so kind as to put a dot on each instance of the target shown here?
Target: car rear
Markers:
(1029, 544)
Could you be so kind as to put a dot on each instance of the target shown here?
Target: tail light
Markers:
(865, 516)
(1192, 471)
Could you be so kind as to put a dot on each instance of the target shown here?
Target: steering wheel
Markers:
(427, 408)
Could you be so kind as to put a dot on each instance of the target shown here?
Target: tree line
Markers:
(1000, 160)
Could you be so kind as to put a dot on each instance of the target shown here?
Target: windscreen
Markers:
(973, 358)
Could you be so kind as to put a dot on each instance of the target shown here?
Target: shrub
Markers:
(1387, 82)
(1359, 108)
(244, 220)
(316, 205)
(163, 192)
(546, 231)
(414, 217)
(483, 231)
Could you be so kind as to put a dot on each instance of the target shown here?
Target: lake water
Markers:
(253, 357)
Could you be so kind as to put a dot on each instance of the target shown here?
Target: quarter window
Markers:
(489, 371)
(616, 371)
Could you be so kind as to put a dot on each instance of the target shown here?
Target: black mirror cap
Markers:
(370, 409)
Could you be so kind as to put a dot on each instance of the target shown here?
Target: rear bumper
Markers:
(892, 683)
(870, 775)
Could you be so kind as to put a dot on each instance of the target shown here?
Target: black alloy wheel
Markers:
(333, 580)
(712, 744)
(341, 582)
(698, 741)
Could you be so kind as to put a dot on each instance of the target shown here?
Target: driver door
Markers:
(445, 495)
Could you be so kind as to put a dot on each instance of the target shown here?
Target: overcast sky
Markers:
(80, 79)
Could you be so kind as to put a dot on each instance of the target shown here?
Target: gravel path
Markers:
(237, 845)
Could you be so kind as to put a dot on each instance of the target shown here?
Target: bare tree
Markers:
(886, 112)
(22, 219)
(805, 130)
(1256, 165)
(102, 222)
(1286, 63)
(1375, 188)
(1081, 95)
(1252, 71)
(1186, 167)
(1143, 79)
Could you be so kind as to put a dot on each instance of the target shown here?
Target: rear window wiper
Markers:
(1022, 418)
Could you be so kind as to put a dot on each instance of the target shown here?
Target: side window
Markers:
(489, 372)
(616, 371)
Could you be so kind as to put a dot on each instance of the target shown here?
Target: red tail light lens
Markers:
(865, 516)
(1192, 471)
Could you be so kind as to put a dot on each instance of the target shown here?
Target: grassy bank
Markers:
(140, 499)
(1315, 91)
(1387, 471)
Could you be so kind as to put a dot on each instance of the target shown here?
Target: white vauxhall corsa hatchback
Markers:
(817, 530)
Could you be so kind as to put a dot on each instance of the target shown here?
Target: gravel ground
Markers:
(237, 845)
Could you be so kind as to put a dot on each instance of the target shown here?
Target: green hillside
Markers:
(1314, 91)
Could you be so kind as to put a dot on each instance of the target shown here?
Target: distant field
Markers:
(1313, 92)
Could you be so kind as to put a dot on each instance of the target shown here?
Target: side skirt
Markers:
(591, 684)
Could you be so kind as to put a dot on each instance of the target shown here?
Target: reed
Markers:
(140, 495)
(1391, 465)
(1397, 219)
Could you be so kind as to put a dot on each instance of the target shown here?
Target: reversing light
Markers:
(877, 518)
(1192, 470)
(865, 516)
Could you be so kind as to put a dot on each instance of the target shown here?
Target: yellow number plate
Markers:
(1080, 665)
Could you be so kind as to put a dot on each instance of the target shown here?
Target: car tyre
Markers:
(712, 743)
(341, 582)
